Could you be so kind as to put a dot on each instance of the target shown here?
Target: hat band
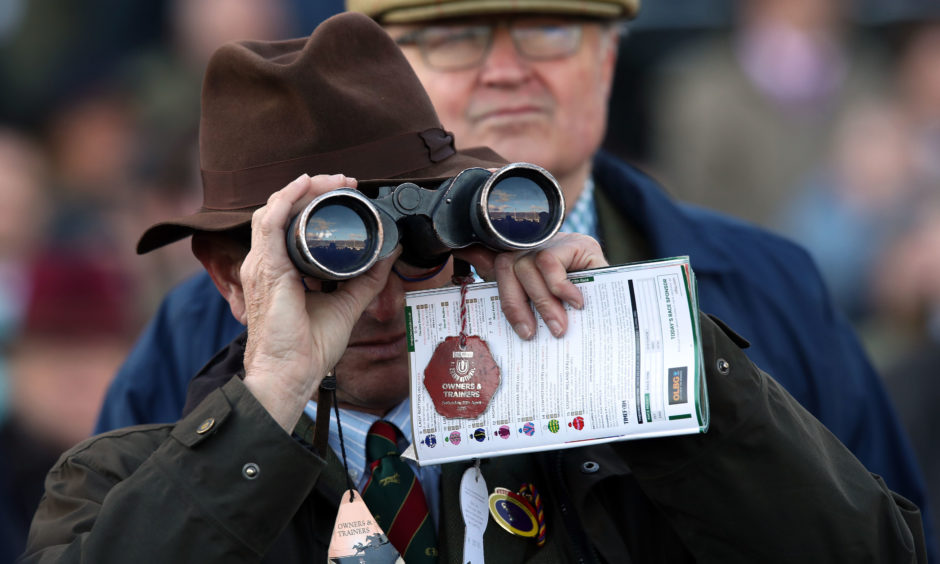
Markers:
(386, 158)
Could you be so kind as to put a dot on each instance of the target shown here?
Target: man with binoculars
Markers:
(239, 478)
(532, 79)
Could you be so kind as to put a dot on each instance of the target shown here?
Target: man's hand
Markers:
(538, 276)
(295, 337)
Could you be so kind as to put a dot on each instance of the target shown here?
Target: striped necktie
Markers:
(395, 497)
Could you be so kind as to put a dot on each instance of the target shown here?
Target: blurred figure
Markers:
(740, 121)
(76, 329)
(23, 185)
(23, 178)
(859, 200)
(92, 140)
(906, 285)
(169, 78)
(919, 90)
(907, 292)
(49, 48)
(907, 281)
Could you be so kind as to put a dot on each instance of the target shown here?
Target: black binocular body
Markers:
(342, 233)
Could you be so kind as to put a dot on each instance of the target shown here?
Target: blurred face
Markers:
(22, 197)
(201, 27)
(807, 15)
(57, 384)
(550, 111)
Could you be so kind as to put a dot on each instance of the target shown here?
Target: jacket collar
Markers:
(226, 363)
(671, 228)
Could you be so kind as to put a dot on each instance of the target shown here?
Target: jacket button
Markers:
(250, 471)
(589, 467)
(723, 367)
(205, 426)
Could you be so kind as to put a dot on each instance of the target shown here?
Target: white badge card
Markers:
(475, 510)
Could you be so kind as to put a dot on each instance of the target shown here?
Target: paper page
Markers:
(628, 367)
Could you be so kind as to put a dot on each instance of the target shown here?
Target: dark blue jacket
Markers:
(766, 288)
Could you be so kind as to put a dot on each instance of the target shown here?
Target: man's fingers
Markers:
(289, 200)
(513, 299)
(555, 276)
(541, 277)
(273, 215)
(536, 286)
(481, 258)
(319, 185)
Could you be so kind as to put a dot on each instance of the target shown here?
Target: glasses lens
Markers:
(454, 47)
(546, 40)
(519, 210)
(339, 238)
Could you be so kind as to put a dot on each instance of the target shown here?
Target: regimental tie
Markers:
(395, 497)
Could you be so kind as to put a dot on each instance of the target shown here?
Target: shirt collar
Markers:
(582, 217)
(356, 426)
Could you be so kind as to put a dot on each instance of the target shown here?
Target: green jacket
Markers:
(766, 483)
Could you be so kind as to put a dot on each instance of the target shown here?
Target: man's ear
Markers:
(222, 258)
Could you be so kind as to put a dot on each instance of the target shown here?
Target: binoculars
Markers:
(342, 233)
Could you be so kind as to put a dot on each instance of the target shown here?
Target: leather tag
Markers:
(461, 382)
(357, 537)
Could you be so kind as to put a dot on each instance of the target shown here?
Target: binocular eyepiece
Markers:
(342, 233)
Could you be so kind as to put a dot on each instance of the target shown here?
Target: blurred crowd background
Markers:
(819, 119)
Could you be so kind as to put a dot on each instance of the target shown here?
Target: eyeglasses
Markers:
(461, 47)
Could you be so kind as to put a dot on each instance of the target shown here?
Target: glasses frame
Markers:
(418, 38)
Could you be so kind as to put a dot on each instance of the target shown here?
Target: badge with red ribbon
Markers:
(462, 375)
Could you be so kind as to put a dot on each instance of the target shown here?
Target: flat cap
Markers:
(409, 11)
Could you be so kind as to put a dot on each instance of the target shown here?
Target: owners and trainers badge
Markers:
(461, 380)
(462, 376)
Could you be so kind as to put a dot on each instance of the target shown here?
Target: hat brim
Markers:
(214, 220)
(408, 12)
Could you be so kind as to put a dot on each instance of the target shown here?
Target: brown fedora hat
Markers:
(345, 100)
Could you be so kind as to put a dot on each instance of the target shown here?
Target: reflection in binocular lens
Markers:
(519, 209)
(337, 238)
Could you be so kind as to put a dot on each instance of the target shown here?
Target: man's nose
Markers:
(389, 303)
(503, 62)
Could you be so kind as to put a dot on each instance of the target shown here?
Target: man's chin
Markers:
(532, 126)
(372, 386)
(377, 402)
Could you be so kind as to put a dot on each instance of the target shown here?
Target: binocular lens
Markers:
(518, 209)
(337, 238)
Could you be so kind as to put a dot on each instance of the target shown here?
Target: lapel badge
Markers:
(519, 513)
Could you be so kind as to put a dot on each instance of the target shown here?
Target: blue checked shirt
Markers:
(582, 216)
